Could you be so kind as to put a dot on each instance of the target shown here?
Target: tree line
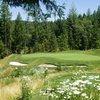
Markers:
(76, 32)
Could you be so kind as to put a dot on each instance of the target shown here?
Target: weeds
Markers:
(26, 90)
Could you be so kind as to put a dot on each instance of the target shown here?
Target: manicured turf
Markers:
(62, 58)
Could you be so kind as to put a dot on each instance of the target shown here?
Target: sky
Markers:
(81, 6)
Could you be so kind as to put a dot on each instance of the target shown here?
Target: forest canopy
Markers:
(75, 32)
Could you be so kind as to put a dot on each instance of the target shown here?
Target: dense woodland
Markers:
(74, 32)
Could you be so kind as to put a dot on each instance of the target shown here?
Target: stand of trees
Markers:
(76, 32)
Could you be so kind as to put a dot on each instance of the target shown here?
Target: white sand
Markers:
(47, 66)
(17, 64)
(81, 66)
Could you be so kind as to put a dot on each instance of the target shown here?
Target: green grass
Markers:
(63, 56)
(89, 58)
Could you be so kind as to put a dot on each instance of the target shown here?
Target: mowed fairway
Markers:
(13, 76)
(63, 58)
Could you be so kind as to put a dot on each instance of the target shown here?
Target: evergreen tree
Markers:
(71, 27)
(53, 45)
(80, 32)
(98, 16)
(5, 26)
(89, 14)
(19, 35)
(2, 51)
(97, 24)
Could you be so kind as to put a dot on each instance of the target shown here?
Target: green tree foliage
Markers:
(31, 3)
(27, 36)
(19, 35)
(34, 8)
(2, 53)
(71, 27)
(60, 31)
(53, 45)
(98, 29)
(76, 32)
(5, 27)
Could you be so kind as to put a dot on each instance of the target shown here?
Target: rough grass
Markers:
(9, 92)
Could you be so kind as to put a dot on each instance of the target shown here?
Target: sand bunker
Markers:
(17, 64)
(76, 66)
(81, 66)
(47, 66)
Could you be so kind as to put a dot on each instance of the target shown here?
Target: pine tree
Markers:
(19, 35)
(5, 26)
(53, 45)
(71, 27)
(98, 15)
